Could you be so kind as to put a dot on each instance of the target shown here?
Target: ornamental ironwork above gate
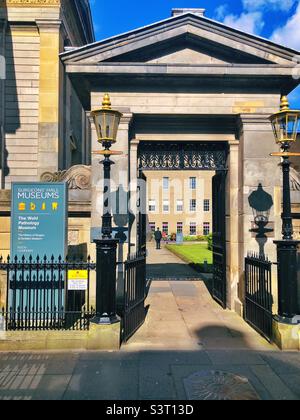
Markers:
(183, 156)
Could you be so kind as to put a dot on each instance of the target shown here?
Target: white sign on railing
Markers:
(78, 280)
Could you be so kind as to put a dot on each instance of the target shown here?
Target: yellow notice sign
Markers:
(77, 280)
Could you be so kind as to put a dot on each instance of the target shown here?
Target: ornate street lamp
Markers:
(107, 123)
(285, 126)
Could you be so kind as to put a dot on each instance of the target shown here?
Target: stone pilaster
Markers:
(258, 167)
(49, 95)
(232, 231)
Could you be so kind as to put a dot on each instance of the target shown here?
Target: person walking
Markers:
(158, 238)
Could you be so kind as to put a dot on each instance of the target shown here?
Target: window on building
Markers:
(206, 205)
(179, 227)
(152, 206)
(193, 205)
(193, 183)
(152, 226)
(193, 228)
(166, 206)
(165, 228)
(206, 228)
(180, 206)
(166, 183)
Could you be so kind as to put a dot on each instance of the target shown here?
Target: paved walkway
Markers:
(189, 348)
(164, 264)
(182, 314)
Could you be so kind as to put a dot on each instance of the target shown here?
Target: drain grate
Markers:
(219, 386)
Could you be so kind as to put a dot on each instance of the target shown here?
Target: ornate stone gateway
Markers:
(197, 156)
(202, 85)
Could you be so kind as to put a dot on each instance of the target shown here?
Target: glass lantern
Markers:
(285, 123)
(107, 122)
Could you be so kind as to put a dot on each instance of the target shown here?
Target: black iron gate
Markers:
(259, 299)
(134, 312)
(142, 214)
(219, 289)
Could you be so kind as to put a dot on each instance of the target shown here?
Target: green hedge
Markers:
(199, 238)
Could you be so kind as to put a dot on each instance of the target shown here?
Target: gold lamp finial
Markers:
(284, 105)
(106, 104)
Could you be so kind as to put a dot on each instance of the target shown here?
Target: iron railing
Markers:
(259, 298)
(134, 311)
(38, 297)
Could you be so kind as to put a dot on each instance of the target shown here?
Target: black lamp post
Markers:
(285, 126)
(107, 122)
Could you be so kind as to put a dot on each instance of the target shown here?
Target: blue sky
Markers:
(278, 20)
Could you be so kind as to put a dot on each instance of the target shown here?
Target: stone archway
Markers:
(194, 156)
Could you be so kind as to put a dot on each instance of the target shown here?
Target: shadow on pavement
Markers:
(174, 271)
(154, 374)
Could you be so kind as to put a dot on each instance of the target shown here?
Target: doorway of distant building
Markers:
(185, 198)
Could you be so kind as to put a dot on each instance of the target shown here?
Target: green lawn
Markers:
(193, 254)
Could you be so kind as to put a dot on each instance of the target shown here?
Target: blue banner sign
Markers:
(39, 220)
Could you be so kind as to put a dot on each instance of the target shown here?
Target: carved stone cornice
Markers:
(126, 117)
(253, 122)
(78, 177)
(49, 24)
(29, 3)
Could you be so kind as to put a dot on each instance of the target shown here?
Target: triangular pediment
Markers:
(187, 49)
(186, 55)
(182, 40)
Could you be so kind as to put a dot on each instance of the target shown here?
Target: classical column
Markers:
(50, 89)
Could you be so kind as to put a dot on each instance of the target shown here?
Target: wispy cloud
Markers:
(221, 12)
(283, 5)
(289, 34)
(252, 18)
(247, 22)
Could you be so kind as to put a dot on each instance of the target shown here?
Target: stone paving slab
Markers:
(156, 382)
(275, 386)
(292, 381)
(34, 387)
(105, 383)
(284, 363)
(233, 357)
(142, 375)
